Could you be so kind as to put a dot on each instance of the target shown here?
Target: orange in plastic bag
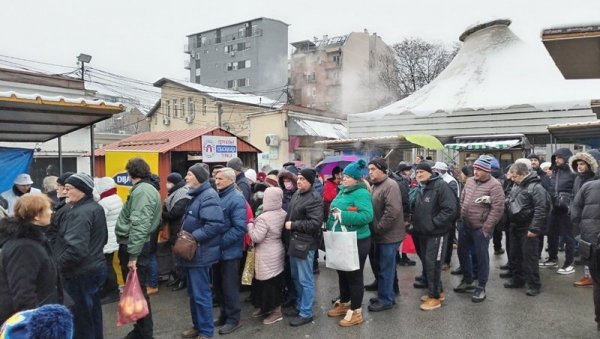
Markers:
(132, 305)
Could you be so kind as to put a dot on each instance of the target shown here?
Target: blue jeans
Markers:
(198, 284)
(302, 274)
(474, 239)
(387, 270)
(153, 271)
(84, 289)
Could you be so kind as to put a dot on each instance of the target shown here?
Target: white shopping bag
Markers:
(341, 249)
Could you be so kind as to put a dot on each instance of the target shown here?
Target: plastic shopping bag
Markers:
(342, 250)
(248, 273)
(408, 245)
(133, 305)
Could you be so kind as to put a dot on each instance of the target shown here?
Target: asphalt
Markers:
(560, 311)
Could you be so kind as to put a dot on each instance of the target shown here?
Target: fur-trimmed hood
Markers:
(10, 228)
(287, 174)
(588, 158)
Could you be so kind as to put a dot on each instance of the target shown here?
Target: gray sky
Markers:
(144, 39)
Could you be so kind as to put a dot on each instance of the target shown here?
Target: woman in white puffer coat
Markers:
(112, 205)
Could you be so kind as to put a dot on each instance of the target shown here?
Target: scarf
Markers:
(108, 192)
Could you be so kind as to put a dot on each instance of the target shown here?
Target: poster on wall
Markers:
(115, 168)
(218, 149)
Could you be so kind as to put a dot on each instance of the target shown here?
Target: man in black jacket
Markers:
(240, 178)
(561, 184)
(304, 220)
(173, 211)
(435, 211)
(78, 251)
(528, 206)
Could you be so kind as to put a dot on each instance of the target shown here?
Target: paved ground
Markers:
(560, 311)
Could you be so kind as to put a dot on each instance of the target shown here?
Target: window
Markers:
(197, 79)
(182, 104)
(198, 72)
(337, 59)
(230, 83)
(175, 108)
(203, 106)
(197, 61)
(243, 82)
(192, 106)
(218, 38)
(241, 46)
(168, 108)
(155, 119)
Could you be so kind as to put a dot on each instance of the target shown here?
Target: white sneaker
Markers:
(566, 270)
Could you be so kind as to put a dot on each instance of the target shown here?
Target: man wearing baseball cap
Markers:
(21, 185)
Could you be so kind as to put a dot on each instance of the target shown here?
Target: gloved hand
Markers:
(484, 199)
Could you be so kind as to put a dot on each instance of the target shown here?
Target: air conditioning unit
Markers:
(272, 140)
(166, 120)
(189, 119)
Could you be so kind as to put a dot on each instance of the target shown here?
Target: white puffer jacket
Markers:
(112, 208)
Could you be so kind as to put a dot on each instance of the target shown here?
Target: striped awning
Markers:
(493, 144)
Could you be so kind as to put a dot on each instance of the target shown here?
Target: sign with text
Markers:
(218, 149)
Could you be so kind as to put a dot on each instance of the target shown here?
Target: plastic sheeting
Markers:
(13, 162)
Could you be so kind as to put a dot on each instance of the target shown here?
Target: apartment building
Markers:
(249, 56)
(338, 74)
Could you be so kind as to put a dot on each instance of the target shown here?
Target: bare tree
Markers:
(414, 64)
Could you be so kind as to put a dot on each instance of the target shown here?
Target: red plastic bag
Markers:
(132, 305)
(408, 245)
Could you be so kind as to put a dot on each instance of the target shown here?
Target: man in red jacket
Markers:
(482, 206)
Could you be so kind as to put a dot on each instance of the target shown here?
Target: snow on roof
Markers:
(58, 99)
(322, 129)
(225, 94)
(495, 70)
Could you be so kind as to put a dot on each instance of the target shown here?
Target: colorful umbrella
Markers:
(327, 164)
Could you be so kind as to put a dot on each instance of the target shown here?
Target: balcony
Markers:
(187, 49)
(186, 64)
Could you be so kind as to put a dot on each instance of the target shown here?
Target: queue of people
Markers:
(61, 251)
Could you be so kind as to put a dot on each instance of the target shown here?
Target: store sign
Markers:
(218, 149)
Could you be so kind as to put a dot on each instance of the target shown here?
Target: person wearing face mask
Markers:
(28, 274)
(172, 214)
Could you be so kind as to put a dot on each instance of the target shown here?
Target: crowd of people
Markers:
(58, 246)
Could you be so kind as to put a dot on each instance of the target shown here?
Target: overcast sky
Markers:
(144, 39)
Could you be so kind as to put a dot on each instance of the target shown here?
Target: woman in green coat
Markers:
(352, 207)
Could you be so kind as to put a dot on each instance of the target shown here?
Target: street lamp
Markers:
(83, 59)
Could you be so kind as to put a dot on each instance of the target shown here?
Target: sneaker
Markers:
(339, 309)
(479, 295)
(373, 300)
(378, 307)
(274, 317)
(441, 298)
(566, 270)
(299, 321)
(353, 317)
(532, 292)
(499, 252)
(583, 282)
(419, 284)
(548, 263)
(430, 304)
(151, 290)
(464, 287)
(229, 328)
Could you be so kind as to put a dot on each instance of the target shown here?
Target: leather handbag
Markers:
(185, 245)
(300, 245)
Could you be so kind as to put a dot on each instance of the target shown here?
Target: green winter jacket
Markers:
(357, 210)
(139, 218)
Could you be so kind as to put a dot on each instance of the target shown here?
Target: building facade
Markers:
(249, 56)
(338, 74)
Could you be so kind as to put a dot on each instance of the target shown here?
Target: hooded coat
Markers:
(266, 232)
(112, 205)
(28, 274)
(562, 178)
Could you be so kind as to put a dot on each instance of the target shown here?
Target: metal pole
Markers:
(82, 70)
(93, 159)
(60, 158)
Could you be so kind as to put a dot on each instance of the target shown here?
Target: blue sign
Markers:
(226, 149)
(122, 179)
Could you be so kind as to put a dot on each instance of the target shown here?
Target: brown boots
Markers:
(339, 309)
(353, 317)
(274, 316)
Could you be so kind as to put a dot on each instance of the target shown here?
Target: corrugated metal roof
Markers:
(321, 129)
(160, 142)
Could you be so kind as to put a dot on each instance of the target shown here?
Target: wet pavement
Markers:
(560, 311)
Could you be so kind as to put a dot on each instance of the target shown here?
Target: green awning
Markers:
(493, 144)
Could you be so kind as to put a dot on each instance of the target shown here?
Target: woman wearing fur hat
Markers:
(353, 208)
(28, 274)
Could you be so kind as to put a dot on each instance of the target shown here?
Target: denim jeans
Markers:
(84, 289)
(387, 270)
(226, 280)
(198, 284)
(153, 271)
(474, 239)
(560, 224)
(302, 274)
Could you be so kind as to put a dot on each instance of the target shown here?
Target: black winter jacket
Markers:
(244, 184)
(436, 208)
(306, 214)
(173, 216)
(585, 211)
(562, 178)
(28, 274)
(527, 205)
(81, 238)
